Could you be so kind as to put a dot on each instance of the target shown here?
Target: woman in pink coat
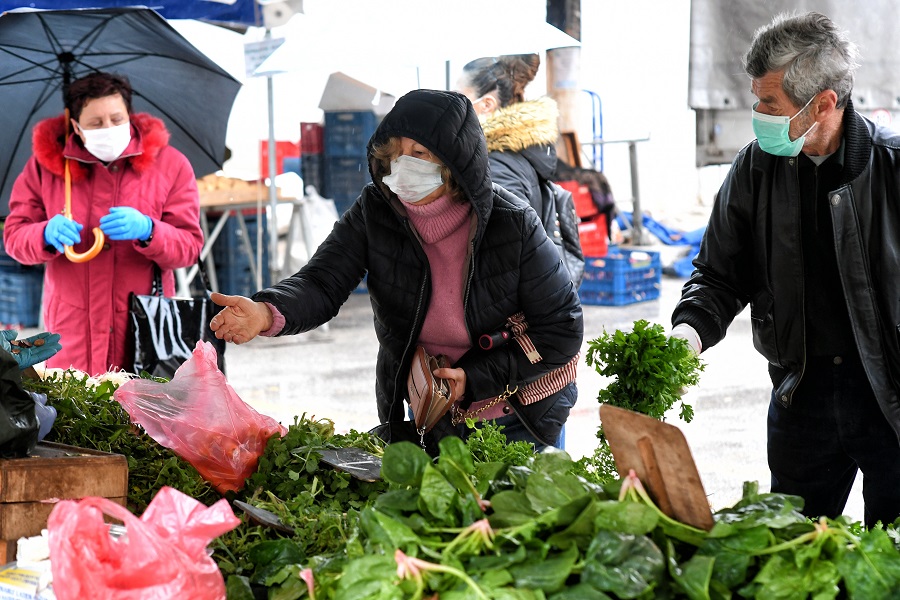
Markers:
(126, 180)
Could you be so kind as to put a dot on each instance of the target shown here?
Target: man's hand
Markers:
(241, 320)
(689, 334)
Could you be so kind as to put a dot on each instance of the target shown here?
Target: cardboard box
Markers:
(30, 487)
(345, 93)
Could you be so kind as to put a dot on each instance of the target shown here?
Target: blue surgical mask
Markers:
(772, 132)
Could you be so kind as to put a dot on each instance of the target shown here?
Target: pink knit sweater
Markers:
(443, 226)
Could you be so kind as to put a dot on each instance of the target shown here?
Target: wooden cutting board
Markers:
(662, 460)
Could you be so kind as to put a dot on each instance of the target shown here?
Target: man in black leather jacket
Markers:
(806, 229)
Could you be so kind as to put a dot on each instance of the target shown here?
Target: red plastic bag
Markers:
(161, 556)
(201, 418)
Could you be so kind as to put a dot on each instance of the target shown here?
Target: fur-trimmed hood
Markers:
(518, 126)
(148, 137)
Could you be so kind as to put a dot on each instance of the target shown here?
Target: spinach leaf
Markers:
(547, 573)
(624, 564)
(403, 464)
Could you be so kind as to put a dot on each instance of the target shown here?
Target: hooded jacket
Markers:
(87, 303)
(511, 265)
(752, 253)
(521, 142)
(521, 147)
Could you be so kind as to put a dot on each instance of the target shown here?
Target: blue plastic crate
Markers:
(347, 133)
(312, 169)
(20, 297)
(233, 272)
(621, 277)
(345, 177)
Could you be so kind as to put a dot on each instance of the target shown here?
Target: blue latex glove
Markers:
(126, 223)
(26, 352)
(61, 232)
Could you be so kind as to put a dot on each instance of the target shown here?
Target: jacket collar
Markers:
(148, 137)
(518, 126)
(858, 144)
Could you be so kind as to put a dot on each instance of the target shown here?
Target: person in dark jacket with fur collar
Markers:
(805, 229)
(450, 257)
(521, 140)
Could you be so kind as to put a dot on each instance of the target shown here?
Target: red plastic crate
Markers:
(584, 204)
(312, 138)
(593, 236)
(282, 149)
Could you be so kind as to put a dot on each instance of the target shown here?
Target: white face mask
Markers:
(108, 143)
(412, 179)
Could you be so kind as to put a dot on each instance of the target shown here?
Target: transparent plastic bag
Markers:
(162, 555)
(201, 418)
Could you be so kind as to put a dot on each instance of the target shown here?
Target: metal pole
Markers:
(637, 216)
(273, 192)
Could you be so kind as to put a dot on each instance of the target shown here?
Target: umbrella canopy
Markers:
(237, 14)
(42, 51)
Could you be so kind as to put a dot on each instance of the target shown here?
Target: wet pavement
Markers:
(330, 373)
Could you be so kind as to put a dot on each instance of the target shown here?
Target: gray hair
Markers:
(814, 54)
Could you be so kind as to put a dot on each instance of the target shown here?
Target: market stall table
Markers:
(227, 197)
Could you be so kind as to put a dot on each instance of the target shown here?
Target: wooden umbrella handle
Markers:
(99, 238)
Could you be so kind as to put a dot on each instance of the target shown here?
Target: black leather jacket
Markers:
(512, 265)
(751, 253)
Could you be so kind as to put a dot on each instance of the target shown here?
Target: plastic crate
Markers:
(312, 138)
(233, 272)
(593, 237)
(581, 194)
(621, 277)
(20, 297)
(347, 133)
(345, 177)
(282, 149)
(312, 169)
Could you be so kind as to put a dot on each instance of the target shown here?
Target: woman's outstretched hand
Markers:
(241, 320)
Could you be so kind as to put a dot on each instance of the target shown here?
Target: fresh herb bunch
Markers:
(89, 417)
(650, 372)
(487, 443)
(650, 369)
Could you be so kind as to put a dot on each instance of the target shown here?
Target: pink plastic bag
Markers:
(161, 556)
(200, 418)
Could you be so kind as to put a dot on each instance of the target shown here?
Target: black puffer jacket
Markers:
(751, 253)
(521, 147)
(512, 265)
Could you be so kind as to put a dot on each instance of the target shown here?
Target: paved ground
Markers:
(330, 373)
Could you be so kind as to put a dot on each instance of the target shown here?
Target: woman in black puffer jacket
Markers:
(521, 140)
(429, 166)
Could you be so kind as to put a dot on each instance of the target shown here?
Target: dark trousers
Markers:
(832, 429)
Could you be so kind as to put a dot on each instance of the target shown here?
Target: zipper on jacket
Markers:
(411, 341)
(788, 396)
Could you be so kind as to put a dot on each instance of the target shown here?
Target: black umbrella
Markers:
(42, 51)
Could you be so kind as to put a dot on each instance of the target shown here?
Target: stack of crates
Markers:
(346, 167)
(312, 166)
(621, 277)
(233, 267)
(20, 292)
(592, 228)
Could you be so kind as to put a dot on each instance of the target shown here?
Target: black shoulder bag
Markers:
(564, 221)
(165, 331)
